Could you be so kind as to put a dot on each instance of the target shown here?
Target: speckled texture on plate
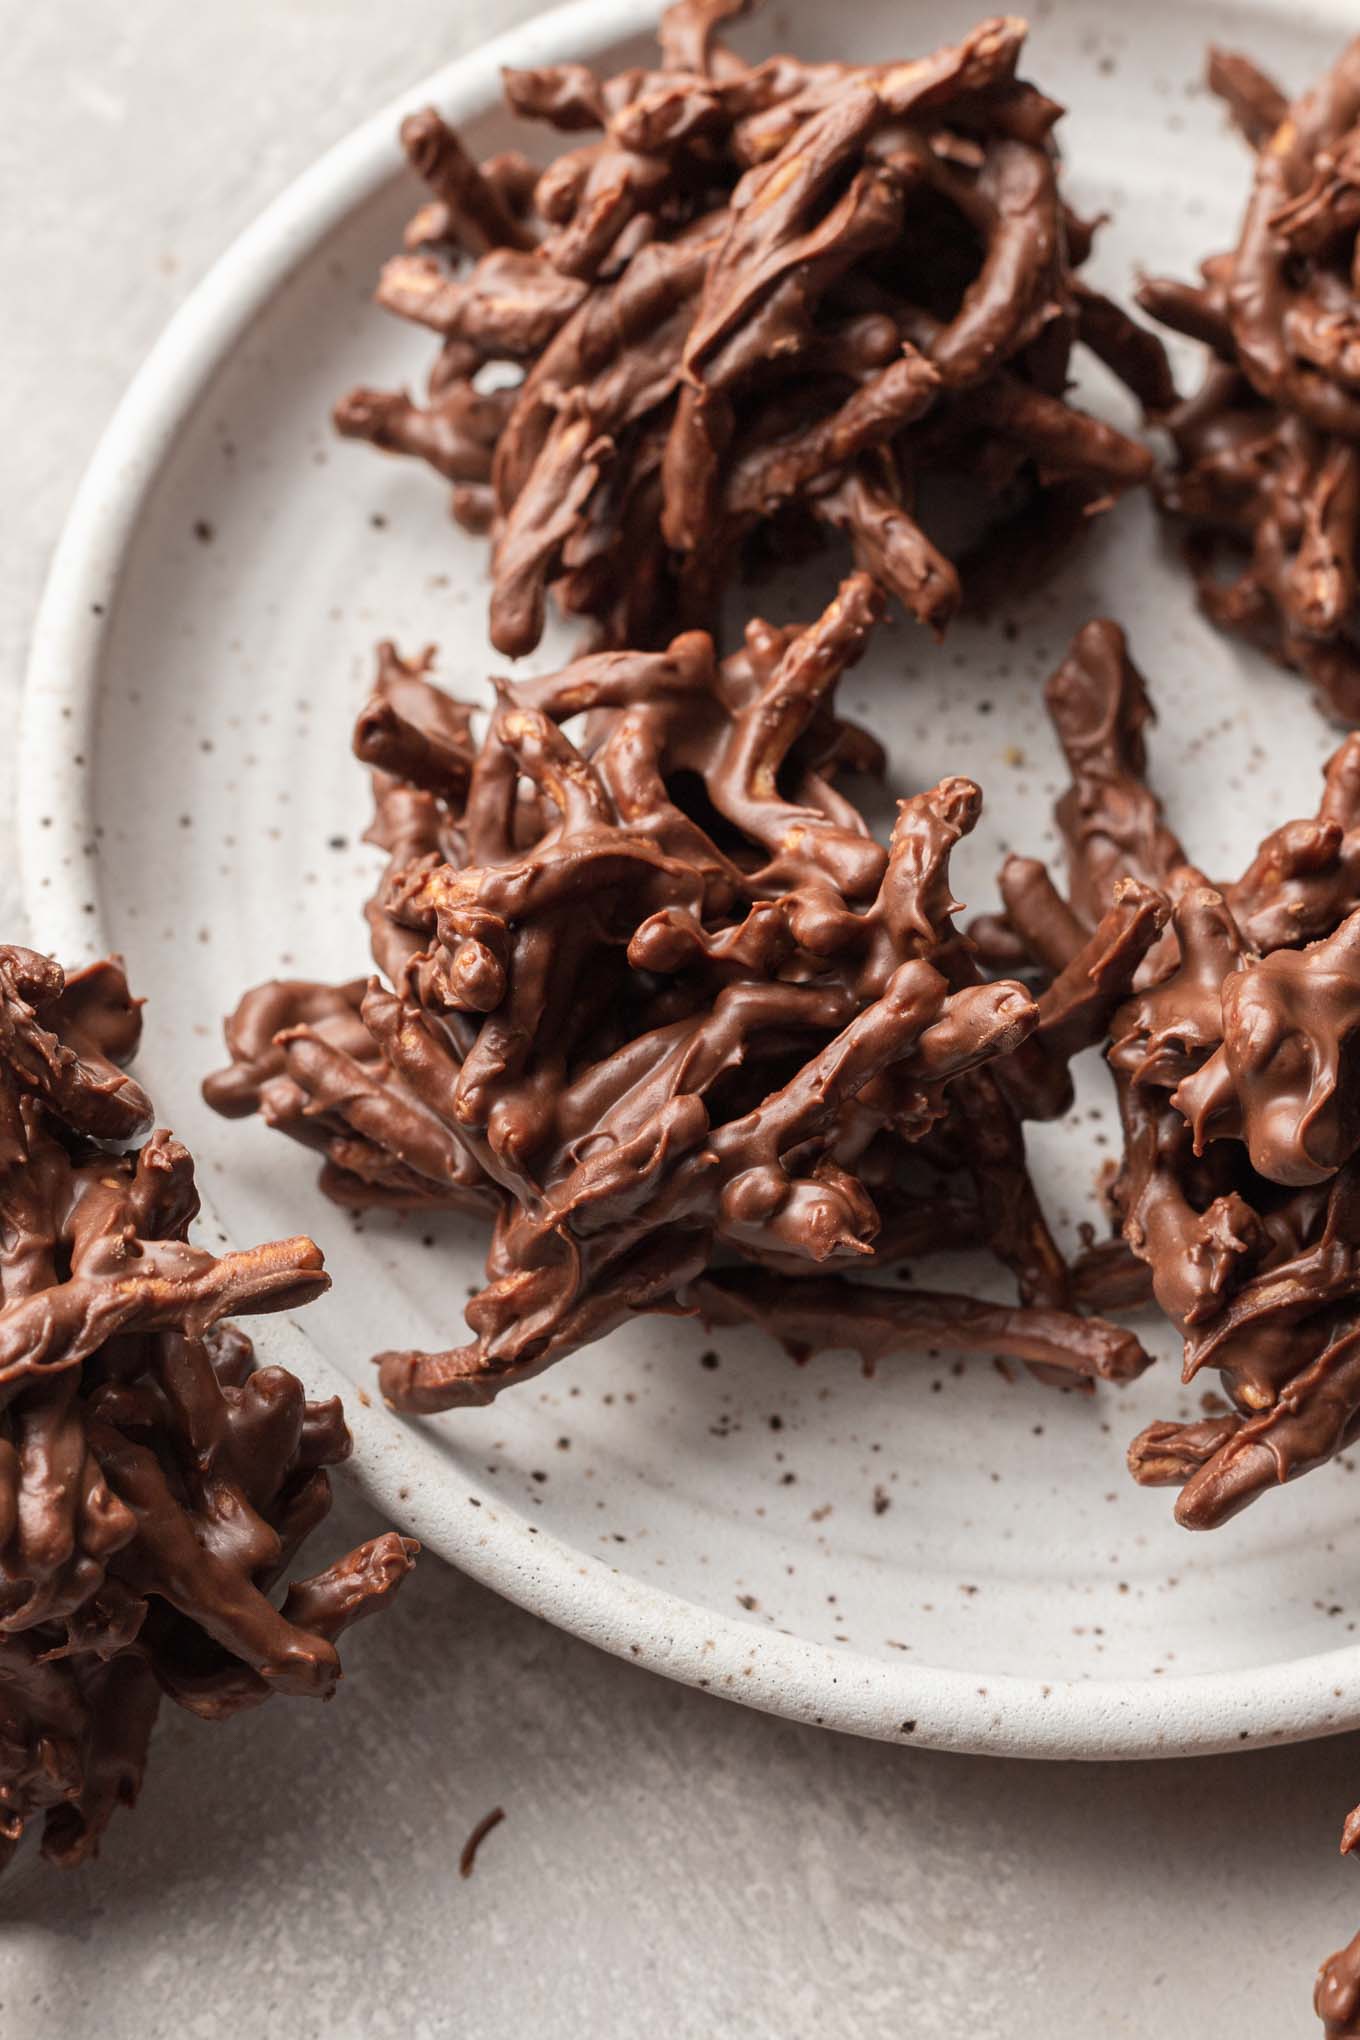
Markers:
(208, 631)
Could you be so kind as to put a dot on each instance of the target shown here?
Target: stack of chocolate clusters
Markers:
(1260, 1271)
(648, 993)
(651, 994)
(154, 1485)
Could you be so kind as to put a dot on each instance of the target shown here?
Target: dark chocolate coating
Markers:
(660, 1003)
(153, 1484)
(1239, 1189)
(762, 292)
(1267, 470)
(1237, 1200)
(1336, 1997)
(1336, 1994)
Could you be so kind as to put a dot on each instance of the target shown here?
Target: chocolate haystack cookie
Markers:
(1336, 1997)
(1237, 1066)
(154, 1485)
(660, 1004)
(763, 301)
(1267, 473)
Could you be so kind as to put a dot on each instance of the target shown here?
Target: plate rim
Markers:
(833, 1686)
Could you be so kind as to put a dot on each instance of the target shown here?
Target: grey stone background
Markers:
(669, 1864)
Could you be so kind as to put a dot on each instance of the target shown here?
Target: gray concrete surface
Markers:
(668, 1864)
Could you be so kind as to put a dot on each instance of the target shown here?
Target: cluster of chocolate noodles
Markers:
(660, 1002)
(1267, 473)
(1237, 1065)
(153, 1484)
(769, 300)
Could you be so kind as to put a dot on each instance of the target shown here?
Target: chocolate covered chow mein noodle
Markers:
(1237, 1064)
(660, 1005)
(154, 1484)
(777, 294)
(1336, 1998)
(1267, 471)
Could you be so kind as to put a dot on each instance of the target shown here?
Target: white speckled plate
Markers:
(935, 1554)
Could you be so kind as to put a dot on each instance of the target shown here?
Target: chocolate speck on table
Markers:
(467, 1861)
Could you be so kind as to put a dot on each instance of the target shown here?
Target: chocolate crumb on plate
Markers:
(467, 1861)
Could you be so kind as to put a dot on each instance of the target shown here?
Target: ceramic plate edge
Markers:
(834, 1687)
